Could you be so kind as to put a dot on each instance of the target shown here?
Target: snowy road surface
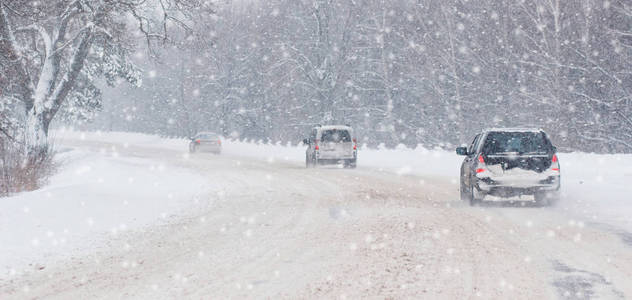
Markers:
(247, 227)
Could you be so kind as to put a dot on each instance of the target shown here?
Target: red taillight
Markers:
(554, 161)
(355, 147)
(197, 141)
(316, 147)
(219, 142)
(481, 161)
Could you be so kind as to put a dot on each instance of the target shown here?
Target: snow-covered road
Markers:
(248, 227)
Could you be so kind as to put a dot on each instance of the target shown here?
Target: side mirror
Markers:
(461, 151)
(305, 141)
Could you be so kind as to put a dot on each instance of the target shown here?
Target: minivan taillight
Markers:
(316, 145)
(197, 141)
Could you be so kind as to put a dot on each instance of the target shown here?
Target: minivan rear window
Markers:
(516, 142)
(336, 136)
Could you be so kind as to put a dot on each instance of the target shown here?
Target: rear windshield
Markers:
(516, 142)
(207, 136)
(336, 136)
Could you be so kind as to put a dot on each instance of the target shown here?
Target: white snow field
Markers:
(136, 216)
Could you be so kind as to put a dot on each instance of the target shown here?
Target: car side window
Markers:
(474, 144)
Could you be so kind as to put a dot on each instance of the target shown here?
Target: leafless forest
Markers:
(412, 72)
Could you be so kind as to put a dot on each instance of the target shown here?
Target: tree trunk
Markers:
(36, 134)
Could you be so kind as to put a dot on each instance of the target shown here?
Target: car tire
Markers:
(351, 164)
(541, 198)
(464, 191)
(546, 198)
(473, 197)
(192, 149)
(307, 161)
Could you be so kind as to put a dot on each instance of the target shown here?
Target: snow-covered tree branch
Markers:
(55, 51)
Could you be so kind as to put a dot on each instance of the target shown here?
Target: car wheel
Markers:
(464, 191)
(473, 196)
(307, 161)
(350, 163)
(545, 198)
(192, 149)
(540, 198)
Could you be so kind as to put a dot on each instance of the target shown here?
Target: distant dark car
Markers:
(510, 162)
(206, 142)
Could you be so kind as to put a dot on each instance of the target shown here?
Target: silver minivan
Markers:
(332, 144)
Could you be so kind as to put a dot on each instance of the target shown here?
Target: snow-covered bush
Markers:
(21, 172)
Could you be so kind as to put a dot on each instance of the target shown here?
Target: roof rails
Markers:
(525, 129)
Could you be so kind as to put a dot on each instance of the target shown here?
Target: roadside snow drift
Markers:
(95, 194)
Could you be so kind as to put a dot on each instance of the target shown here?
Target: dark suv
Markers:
(510, 162)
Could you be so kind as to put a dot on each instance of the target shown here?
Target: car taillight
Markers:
(481, 162)
(316, 145)
(197, 141)
(219, 142)
(555, 165)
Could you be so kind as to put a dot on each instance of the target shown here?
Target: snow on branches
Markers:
(53, 52)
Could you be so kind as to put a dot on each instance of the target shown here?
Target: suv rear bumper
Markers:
(508, 189)
(336, 161)
(336, 156)
(209, 148)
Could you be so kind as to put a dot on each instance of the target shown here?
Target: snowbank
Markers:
(93, 194)
(598, 187)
